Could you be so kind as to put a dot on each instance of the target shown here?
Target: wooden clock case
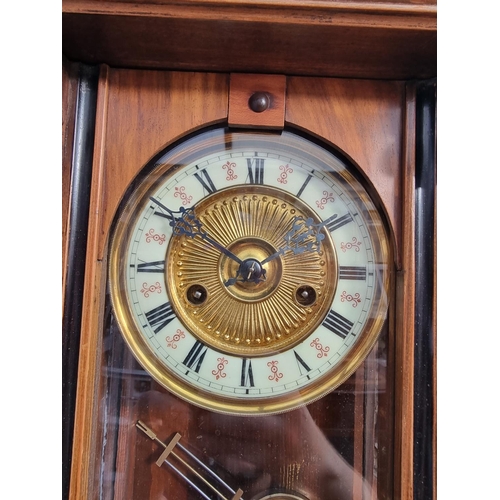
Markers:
(358, 75)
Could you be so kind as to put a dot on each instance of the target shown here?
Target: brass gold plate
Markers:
(249, 271)
(242, 315)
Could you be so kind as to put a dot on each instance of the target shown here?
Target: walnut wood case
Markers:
(349, 74)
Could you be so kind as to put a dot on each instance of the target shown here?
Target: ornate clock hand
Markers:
(188, 224)
(304, 236)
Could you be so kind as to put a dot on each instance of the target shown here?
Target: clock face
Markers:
(249, 271)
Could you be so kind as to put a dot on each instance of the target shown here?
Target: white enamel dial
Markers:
(269, 292)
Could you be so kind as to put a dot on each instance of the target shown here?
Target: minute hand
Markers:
(304, 236)
(185, 223)
(220, 247)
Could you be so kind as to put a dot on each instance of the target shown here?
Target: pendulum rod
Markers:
(169, 451)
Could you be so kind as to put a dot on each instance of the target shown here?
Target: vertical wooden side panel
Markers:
(434, 366)
(405, 319)
(88, 382)
(69, 100)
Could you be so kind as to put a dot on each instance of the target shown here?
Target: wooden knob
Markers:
(259, 102)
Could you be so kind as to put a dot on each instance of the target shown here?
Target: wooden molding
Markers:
(390, 40)
(405, 320)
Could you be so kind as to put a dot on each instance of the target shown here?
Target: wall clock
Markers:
(249, 273)
(248, 309)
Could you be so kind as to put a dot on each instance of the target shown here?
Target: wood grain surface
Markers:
(405, 313)
(363, 120)
(390, 40)
(243, 87)
(139, 112)
(143, 112)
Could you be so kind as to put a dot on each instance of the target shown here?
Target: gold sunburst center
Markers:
(249, 303)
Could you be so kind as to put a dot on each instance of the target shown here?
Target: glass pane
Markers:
(264, 370)
(337, 447)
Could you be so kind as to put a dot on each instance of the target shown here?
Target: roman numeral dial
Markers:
(249, 271)
(337, 324)
(195, 357)
(247, 373)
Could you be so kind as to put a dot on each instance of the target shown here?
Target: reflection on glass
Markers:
(338, 447)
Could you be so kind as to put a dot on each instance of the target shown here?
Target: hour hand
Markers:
(185, 223)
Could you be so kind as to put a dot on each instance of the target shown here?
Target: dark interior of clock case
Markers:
(340, 446)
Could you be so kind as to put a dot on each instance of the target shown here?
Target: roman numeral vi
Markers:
(246, 374)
